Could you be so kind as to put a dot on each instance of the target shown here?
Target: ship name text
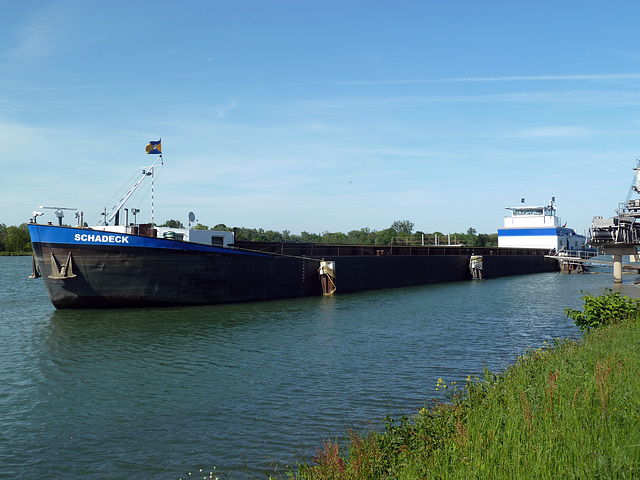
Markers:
(90, 237)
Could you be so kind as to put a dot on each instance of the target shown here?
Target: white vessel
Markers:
(538, 227)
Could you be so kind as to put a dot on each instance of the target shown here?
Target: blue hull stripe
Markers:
(527, 232)
(87, 237)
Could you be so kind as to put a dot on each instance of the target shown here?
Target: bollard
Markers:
(617, 268)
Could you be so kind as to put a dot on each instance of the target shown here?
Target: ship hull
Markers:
(82, 268)
(135, 277)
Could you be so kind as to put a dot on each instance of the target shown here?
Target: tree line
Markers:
(16, 240)
(400, 232)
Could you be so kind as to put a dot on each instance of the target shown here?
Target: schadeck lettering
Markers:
(97, 238)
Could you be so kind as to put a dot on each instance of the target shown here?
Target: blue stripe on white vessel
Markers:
(523, 232)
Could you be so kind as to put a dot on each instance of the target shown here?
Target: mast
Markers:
(154, 148)
(152, 186)
(146, 172)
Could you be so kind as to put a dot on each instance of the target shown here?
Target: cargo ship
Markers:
(120, 264)
(134, 267)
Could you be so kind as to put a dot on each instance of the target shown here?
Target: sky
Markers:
(320, 115)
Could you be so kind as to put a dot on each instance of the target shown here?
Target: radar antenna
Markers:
(59, 212)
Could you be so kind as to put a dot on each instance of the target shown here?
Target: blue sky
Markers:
(324, 115)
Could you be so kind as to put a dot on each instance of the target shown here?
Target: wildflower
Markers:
(441, 384)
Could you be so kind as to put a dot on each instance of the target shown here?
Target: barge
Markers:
(101, 267)
(122, 264)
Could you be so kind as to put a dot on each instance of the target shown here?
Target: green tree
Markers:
(273, 236)
(383, 237)
(354, 237)
(221, 227)
(307, 237)
(243, 234)
(486, 240)
(402, 227)
(333, 237)
(173, 224)
(364, 236)
(470, 238)
(3, 236)
(17, 239)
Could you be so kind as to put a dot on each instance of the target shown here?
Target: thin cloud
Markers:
(543, 132)
(521, 78)
(36, 39)
(221, 111)
(508, 78)
(611, 98)
(44, 33)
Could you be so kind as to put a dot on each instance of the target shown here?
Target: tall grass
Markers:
(567, 410)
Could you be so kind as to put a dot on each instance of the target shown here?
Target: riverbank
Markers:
(569, 410)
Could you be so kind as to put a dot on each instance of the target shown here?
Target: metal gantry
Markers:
(619, 235)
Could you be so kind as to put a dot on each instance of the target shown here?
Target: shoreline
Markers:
(571, 407)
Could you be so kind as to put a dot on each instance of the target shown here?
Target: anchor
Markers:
(62, 272)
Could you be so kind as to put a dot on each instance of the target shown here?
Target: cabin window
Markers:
(216, 240)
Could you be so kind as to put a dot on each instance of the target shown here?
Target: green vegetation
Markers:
(14, 240)
(603, 310)
(173, 224)
(400, 232)
(567, 410)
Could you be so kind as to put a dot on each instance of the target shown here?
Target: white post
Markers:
(617, 268)
(152, 184)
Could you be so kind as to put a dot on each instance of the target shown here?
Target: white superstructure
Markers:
(538, 227)
(203, 237)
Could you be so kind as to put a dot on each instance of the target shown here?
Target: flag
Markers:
(154, 147)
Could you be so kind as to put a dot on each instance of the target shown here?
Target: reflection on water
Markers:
(241, 387)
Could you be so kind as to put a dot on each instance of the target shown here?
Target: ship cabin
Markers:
(203, 237)
(538, 227)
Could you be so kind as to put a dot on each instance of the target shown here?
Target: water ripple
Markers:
(165, 391)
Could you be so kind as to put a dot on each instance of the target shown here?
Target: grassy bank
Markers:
(568, 410)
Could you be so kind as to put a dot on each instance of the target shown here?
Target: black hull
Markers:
(138, 277)
(123, 276)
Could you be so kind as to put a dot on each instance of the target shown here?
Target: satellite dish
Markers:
(192, 216)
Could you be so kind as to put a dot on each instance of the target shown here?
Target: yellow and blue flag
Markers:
(154, 147)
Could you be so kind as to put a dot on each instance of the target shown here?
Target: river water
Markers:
(246, 388)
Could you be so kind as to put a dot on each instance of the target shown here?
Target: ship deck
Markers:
(322, 250)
